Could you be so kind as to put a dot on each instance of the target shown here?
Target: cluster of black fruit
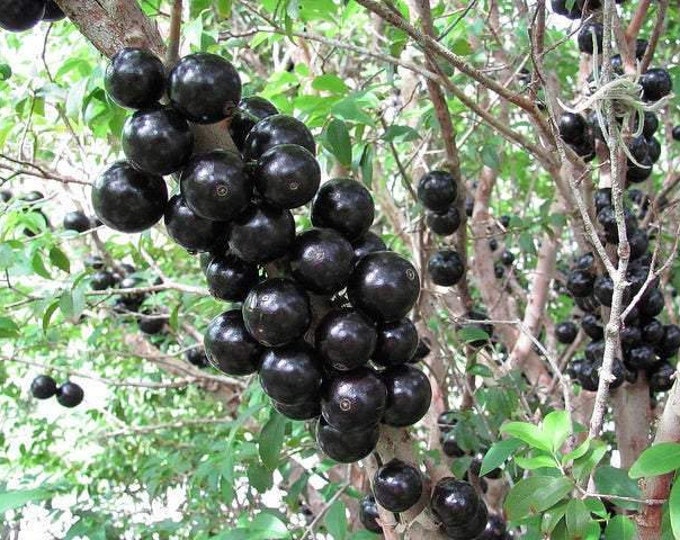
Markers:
(68, 394)
(20, 15)
(575, 9)
(646, 343)
(323, 314)
(399, 486)
(437, 191)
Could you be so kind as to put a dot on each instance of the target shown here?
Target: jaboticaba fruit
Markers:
(77, 221)
(346, 446)
(580, 283)
(437, 190)
(603, 289)
(368, 243)
(675, 133)
(640, 357)
(368, 514)
(215, 185)
(591, 326)
(661, 378)
(635, 174)
(656, 83)
(70, 394)
(135, 78)
(585, 37)
(345, 339)
(229, 278)
(17, 16)
(631, 336)
(495, 529)
(321, 260)
(205, 88)
(287, 176)
(560, 7)
(353, 400)
(652, 303)
(397, 341)
(102, 280)
(345, 205)
(565, 332)
(262, 234)
(250, 111)
(228, 345)
(654, 149)
(422, 350)
(456, 503)
(197, 357)
(190, 231)
(408, 395)
(507, 257)
(277, 312)
(151, 322)
(274, 130)
(445, 267)
(299, 411)
(397, 486)
(128, 200)
(43, 387)
(292, 374)
(53, 12)
(572, 128)
(384, 285)
(157, 140)
(445, 223)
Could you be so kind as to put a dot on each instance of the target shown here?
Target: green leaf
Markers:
(533, 495)
(490, 157)
(613, 481)
(366, 164)
(577, 452)
(526, 243)
(658, 459)
(336, 521)
(47, 316)
(674, 507)
(552, 517)
(38, 265)
(403, 133)
(620, 528)
(5, 72)
(267, 525)
(498, 454)
(10, 500)
(536, 462)
(584, 465)
(330, 83)
(470, 334)
(260, 477)
(461, 47)
(557, 427)
(271, 440)
(528, 433)
(337, 140)
(8, 328)
(59, 259)
(577, 518)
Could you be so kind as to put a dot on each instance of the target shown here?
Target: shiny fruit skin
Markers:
(408, 395)
(53, 12)
(585, 38)
(572, 127)
(475, 526)
(197, 357)
(397, 486)
(249, 112)
(660, 379)
(287, 176)
(421, 352)
(353, 400)
(102, 280)
(455, 502)
(128, 200)
(277, 312)
(675, 133)
(397, 341)
(346, 446)
(157, 140)
(652, 303)
(262, 234)
(367, 243)
(640, 357)
(17, 16)
(229, 278)
(444, 223)
(345, 339)
(274, 130)
(384, 285)
(215, 185)
(345, 205)
(299, 411)
(204, 88)
(152, 324)
(135, 78)
(70, 394)
(229, 347)
(321, 260)
(445, 267)
(580, 283)
(43, 387)
(507, 257)
(368, 514)
(192, 232)
(291, 375)
(565, 332)
(437, 190)
(77, 221)
(656, 83)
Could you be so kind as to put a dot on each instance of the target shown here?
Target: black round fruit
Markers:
(384, 285)
(291, 375)
(102, 280)
(321, 260)
(580, 283)
(640, 357)
(299, 411)
(205, 88)
(397, 485)
(565, 332)
(135, 78)
(151, 323)
(287, 176)
(197, 357)
(591, 326)
(157, 140)
(215, 185)
(652, 303)
(229, 347)
(70, 394)
(229, 278)
(437, 190)
(17, 16)
(445, 267)
(421, 352)
(654, 149)
(585, 37)
(345, 205)
(661, 379)
(675, 133)
(190, 231)
(444, 223)
(397, 342)
(656, 83)
(572, 128)
(560, 7)
(455, 502)
(53, 12)
(262, 234)
(249, 112)
(353, 400)
(346, 446)
(603, 289)
(368, 514)
(507, 257)
(43, 387)
(345, 339)
(408, 395)
(495, 529)
(368, 243)
(128, 200)
(77, 221)
(274, 130)
(277, 312)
